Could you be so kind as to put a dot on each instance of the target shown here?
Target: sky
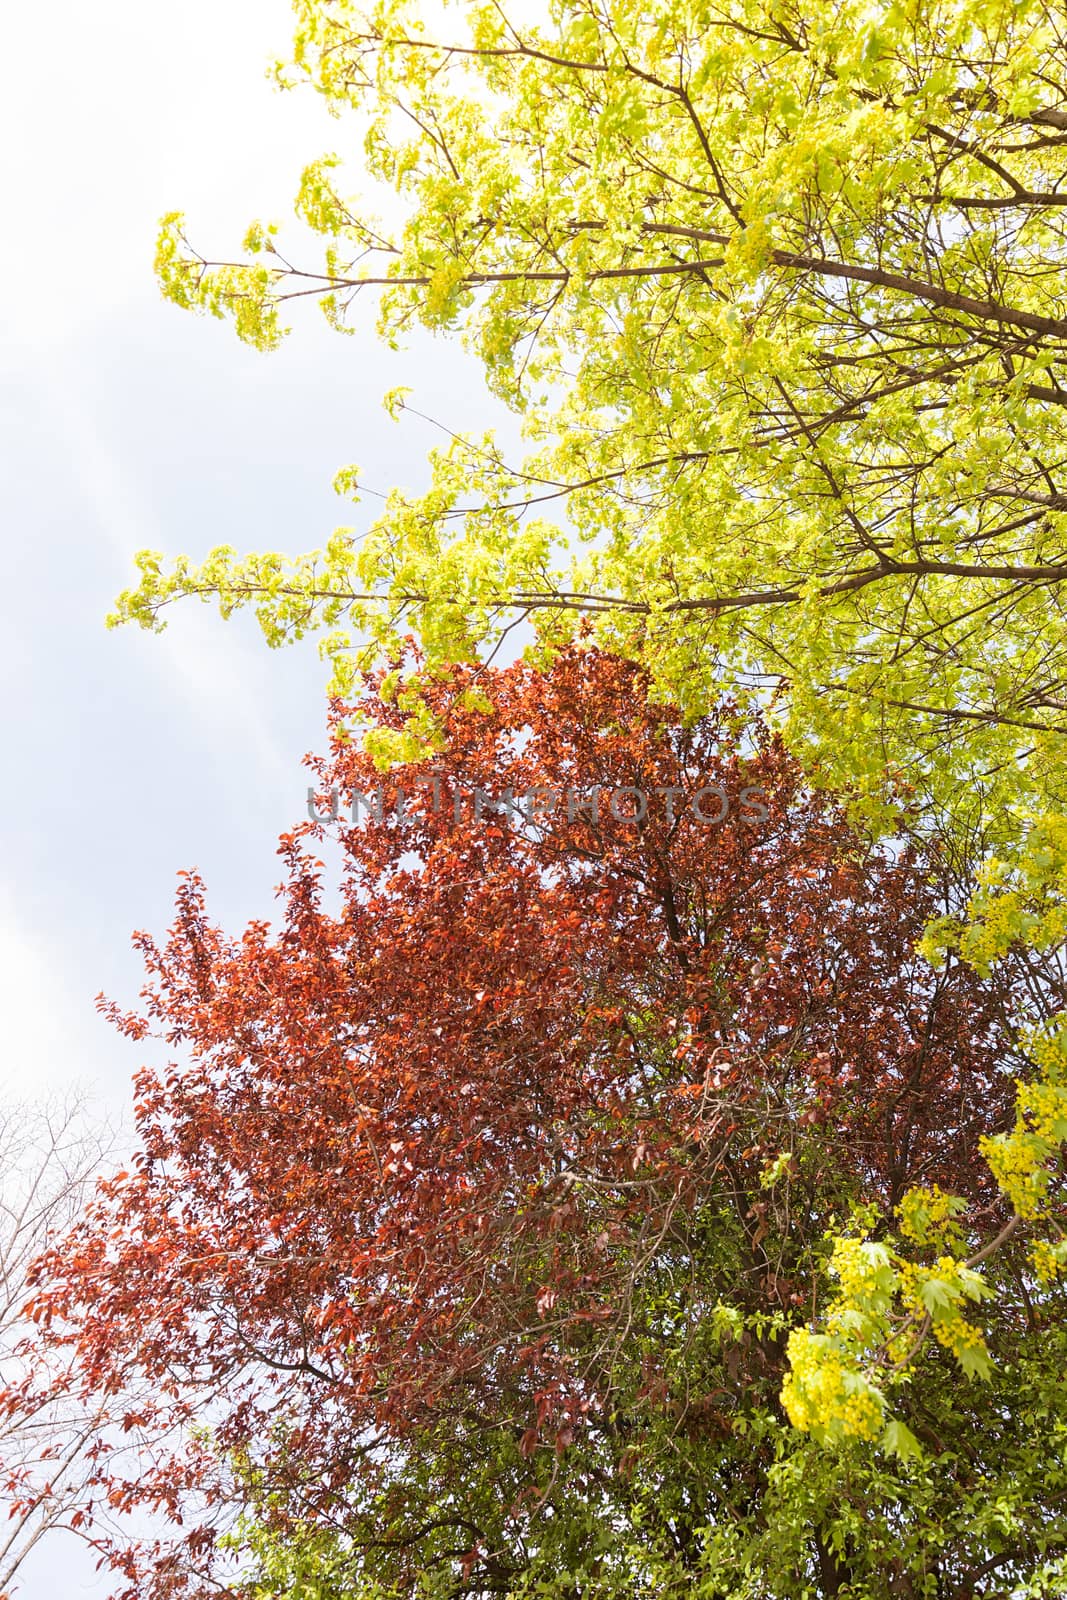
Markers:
(125, 423)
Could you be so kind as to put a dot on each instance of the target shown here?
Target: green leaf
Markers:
(898, 1440)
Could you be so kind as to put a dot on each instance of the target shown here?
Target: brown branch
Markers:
(1001, 202)
(876, 277)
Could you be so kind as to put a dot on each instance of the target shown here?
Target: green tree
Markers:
(692, 1495)
(779, 291)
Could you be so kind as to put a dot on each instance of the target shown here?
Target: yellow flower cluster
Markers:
(1024, 903)
(1018, 902)
(1048, 1047)
(1019, 1160)
(959, 1336)
(861, 1269)
(1045, 1104)
(939, 1292)
(1016, 1162)
(1048, 1261)
(994, 930)
(828, 1392)
(923, 1210)
(824, 1396)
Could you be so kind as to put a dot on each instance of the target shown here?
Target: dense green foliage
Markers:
(692, 1493)
(779, 291)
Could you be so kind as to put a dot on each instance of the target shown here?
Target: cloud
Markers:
(217, 674)
(47, 1032)
(110, 116)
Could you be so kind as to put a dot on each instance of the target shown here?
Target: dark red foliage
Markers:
(425, 1145)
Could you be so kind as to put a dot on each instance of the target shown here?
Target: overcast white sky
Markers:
(126, 423)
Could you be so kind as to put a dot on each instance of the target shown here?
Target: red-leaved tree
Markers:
(429, 1149)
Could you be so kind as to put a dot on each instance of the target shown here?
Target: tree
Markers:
(464, 1244)
(49, 1157)
(778, 291)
